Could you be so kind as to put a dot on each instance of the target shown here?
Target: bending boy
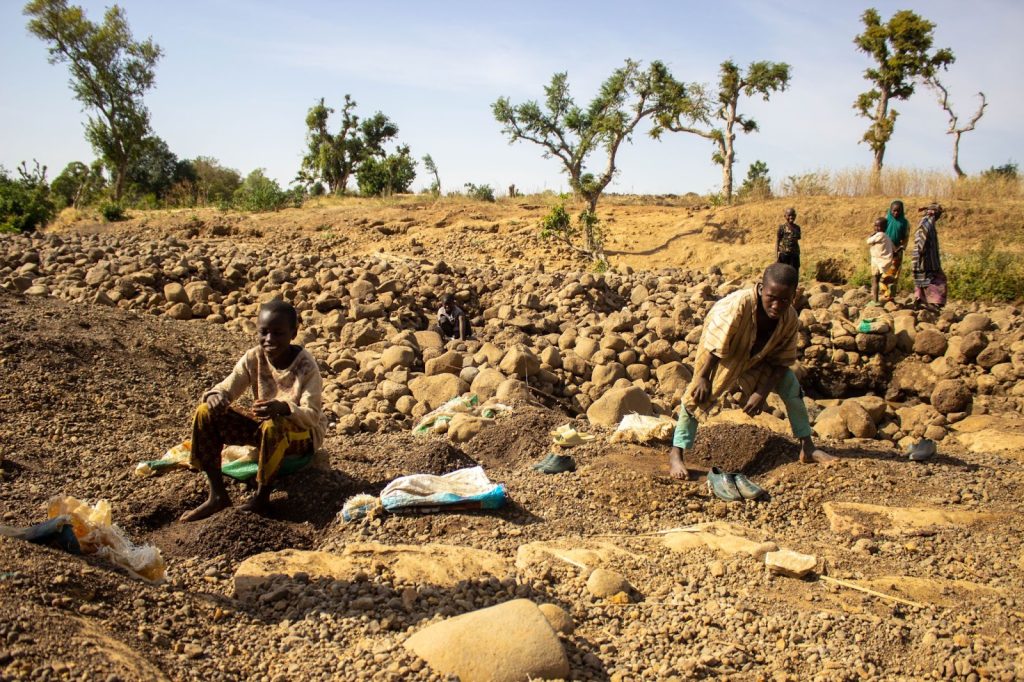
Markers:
(749, 340)
(287, 419)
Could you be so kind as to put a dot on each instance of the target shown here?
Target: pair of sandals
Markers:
(555, 464)
(922, 450)
(732, 487)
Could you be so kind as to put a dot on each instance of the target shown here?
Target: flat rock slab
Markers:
(867, 520)
(937, 591)
(443, 565)
(718, 536)
(1002, 433)
(510, 642)
(583, 554)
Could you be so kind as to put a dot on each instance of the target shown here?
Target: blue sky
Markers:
(237, 78)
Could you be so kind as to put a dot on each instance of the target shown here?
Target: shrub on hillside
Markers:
(259, 193)
(479, 192)
(384, 176)
(989, 273)
(112, 211)
(25, 203)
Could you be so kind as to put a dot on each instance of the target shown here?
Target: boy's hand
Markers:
(269, 409)
(217, 402)
(754, 404)
(701, 390)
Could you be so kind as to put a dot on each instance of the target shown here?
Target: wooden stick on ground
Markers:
(867, 590)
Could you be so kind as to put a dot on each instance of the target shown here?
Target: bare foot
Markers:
(212, 505)
(816, 456)
(257, 504)
(677, 467)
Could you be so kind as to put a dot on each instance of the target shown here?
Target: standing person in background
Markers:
(929, 279)
(881, 249)
(787, 241)
(898, 231)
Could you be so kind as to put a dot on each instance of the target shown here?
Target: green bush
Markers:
(392, 174)
(25, 203)
(757, 186)
(112, 211)
(259, 193)
(989, 273)
(557, 223)
(479, 192)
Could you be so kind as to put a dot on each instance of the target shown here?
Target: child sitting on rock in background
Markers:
(287, 418)
(882, 263)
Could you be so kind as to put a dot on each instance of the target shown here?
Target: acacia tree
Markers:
(955, 130)
(332, 158)
(571, 133)
(431, 167)
(110, 72)
(902, 50)
(761, 78)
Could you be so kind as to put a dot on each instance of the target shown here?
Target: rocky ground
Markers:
(108, 340)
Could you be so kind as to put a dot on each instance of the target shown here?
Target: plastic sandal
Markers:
(544, 462)
(557, 465)
(722, 486)
(748, 489)
(923, 450)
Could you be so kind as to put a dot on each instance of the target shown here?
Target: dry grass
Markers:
(900, 182)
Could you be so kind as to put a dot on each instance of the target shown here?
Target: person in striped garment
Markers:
(749, 341)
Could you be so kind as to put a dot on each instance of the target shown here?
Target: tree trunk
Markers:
(881, 115)
(956, 155)
(728, 157)
(122, 171)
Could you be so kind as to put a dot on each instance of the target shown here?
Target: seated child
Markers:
(452, 320)
(882, 263)
(287, 419)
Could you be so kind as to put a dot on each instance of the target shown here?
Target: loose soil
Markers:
(90, 391)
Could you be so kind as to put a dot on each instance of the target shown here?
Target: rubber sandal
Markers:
(922, 450)
(748, 489)
(558, 464)
(544, 462)
(722, 486)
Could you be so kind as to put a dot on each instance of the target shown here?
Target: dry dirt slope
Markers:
(93, 390)
(642, 233)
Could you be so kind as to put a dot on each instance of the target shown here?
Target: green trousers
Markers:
(788, 389)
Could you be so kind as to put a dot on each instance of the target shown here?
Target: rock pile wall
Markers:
(599, 344)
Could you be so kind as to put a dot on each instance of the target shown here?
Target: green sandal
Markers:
(747, 488)
(557, 464)
(722, 486)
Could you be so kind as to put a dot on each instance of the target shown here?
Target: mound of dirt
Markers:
(517, 438)
(740, 448)
(232, 533)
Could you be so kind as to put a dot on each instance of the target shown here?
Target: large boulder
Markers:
(606, 375)
(449, 362)
(992, 355)
(486, 383)
(858, 420)
(510, 642)
(395, 357)
(831, 424)
(673, 377)
(915, 420)
(520, 362)
(616, 403)
(930, 342)
(950, 395)
(359, 334)
(436, 390)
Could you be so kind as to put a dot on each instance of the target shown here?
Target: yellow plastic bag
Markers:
(98, 535)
